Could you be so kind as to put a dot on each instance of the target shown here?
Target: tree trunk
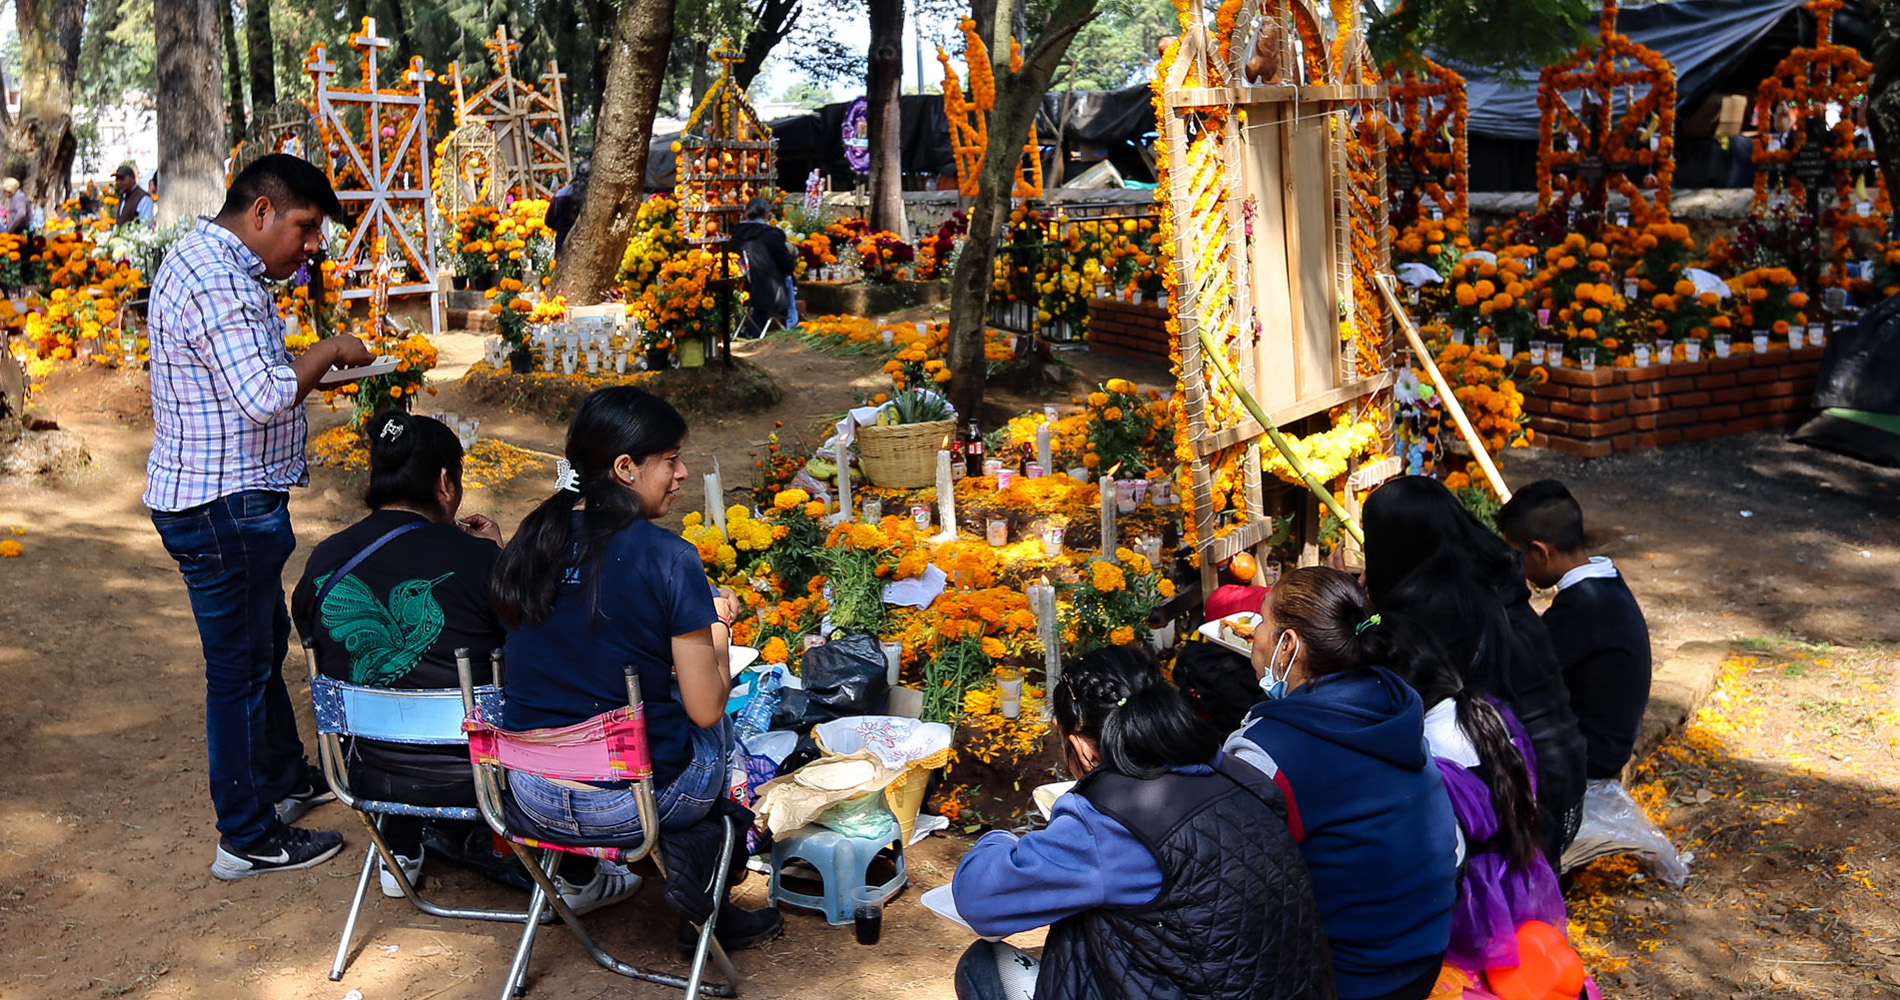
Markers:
(702, 77)
(1018, 96)
(233, 74)
(884, 73)
(257, 43)
(635, 65)
(190, 131)
(1883, 91)
(41, 142)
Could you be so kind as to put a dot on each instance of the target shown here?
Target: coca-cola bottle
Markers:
(973, 451)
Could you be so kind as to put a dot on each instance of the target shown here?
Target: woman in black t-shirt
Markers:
(396, 619)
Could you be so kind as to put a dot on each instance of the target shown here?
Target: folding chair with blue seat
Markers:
(608, 747)
(429, 716)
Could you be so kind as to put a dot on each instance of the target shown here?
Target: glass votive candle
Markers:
(873, 510)
(593, 362)
(1052, 540)
(1507, 349)
(893, 660)
(889, 335)
(1537, 352)
(1004, 477)
(1721, 345)
(1797, 337)
(1589, 360)
(1009, 693)
(992, 466)
(996, 531)
(1033, 470)
(1760, 340)
(1692, 350)
(920, 517)
(1125, 495)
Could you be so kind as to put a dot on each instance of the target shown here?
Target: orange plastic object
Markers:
(1547, 967)
(1243, 567)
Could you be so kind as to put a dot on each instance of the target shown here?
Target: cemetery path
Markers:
(107, 835)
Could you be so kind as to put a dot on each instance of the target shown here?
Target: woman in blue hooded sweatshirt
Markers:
(1344, 739)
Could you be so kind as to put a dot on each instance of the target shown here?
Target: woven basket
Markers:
(903, 456)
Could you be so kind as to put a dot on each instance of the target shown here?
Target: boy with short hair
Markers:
(1601, 638)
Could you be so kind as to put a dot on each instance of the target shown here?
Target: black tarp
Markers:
(1859, 385)
(1715, 46)
(1112, 119)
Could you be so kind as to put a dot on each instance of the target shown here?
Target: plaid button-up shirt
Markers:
(225, 414)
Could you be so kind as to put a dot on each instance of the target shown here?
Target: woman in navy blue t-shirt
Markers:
(589, 586)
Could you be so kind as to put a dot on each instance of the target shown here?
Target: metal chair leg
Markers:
(517, 982)
(349, 922)
(706, 940)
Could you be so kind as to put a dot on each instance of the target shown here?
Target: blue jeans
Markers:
(232, 552)
(610, 813)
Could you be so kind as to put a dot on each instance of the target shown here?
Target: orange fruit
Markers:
(1243, 567)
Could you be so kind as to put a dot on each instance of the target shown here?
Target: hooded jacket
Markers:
(768, 260)
(1368, 807)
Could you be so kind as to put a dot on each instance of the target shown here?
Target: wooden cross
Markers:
(371, 41)
(725, 53)
(503, 49)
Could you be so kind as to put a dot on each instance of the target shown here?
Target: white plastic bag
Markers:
(1614, 824)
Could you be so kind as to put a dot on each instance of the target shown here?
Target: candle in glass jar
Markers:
(996, 532)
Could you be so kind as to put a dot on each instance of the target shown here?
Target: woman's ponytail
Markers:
(1503, 769)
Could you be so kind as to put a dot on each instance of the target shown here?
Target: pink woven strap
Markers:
(611, 746)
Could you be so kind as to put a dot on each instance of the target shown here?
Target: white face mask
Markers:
(1275, 687)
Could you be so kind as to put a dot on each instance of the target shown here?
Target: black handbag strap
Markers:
(357, 559)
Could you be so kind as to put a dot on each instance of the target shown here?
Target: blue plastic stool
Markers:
(842, 862)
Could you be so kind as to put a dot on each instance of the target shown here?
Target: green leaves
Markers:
(1508, 35)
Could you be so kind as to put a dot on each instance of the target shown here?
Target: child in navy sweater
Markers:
(1595, 624)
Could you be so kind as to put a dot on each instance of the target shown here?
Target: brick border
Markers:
(1127, 329)
(1596, 413)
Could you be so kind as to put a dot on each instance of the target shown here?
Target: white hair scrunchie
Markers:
(391, 431)
(565, 477)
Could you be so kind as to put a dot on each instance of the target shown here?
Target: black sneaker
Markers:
(310, 791)
(737, 929)
(286, 849)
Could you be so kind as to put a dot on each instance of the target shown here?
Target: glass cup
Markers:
(867, 912)
(1721, 345)
(920, 518)
(893, 660)
(1004, 477)
(1009, 692)
(873, 510)
(997, 532)
(1052, 541)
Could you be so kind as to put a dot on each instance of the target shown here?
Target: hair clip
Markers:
(565, 478)
(391, 431)
(1121, 702)
(1360, 628)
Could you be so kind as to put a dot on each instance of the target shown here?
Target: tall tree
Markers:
(1018, 96)
(233, 73)
(1883, 91)
(635, 64)
(190, 130)
(884, 74)
(263, 61)
(41, 143)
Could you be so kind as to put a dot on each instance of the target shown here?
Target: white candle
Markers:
(1045, 450)
(1107, 484)
(844, 478)
(1042, 603)
(946, 496)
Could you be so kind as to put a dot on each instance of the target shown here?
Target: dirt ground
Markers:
(106, 832)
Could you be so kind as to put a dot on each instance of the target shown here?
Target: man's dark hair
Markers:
(288, 181)
(1544, 512)
(758, 208)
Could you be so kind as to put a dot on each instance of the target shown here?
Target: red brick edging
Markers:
(1135, 331)
(1592, 414)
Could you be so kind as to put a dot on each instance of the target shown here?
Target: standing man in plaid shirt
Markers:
(228, 443)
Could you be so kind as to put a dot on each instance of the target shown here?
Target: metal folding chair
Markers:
(431, 716)
(608, 747)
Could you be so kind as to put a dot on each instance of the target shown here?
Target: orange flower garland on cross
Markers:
(1642, 136)
(1425, 127)
(1805, 85)
(970, 117)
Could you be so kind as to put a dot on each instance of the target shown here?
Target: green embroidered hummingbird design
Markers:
(384, 643)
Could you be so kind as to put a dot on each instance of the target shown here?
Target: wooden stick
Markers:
(1478, 451)
(1213, 352)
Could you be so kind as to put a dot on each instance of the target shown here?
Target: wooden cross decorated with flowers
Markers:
(382, 176)
(1426, 162)
(530, 124)
(1587, 150)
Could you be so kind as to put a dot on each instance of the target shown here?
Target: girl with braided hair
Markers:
(1167, 872)
(1344, 739)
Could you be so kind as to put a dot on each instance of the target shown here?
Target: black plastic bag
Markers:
(842, 678)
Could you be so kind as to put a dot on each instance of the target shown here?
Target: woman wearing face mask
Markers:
(589, 586)
(1344, 738)
(1167, 872)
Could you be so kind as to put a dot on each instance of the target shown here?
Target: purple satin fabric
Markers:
(1494, 896)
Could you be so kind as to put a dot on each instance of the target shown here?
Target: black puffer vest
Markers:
(1235, 918)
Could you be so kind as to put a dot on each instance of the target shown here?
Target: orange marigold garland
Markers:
(1583, 152)
(970, 117)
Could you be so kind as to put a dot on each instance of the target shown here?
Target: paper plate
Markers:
(741, 657)
(941, 902)
(381, 366)
(1045, 796)
(1214, 632)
